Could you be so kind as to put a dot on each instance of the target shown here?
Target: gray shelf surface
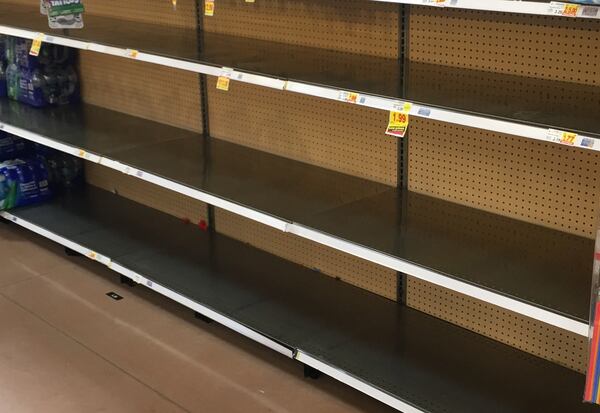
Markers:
(517, 99)
(426, 362)
(537, 265)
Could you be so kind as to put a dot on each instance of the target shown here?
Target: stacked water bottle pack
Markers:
(47, 79)
(32, 173)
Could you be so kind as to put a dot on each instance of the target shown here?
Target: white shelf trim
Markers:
(372, 101)
(319, 237)
(436, 278)
(586, 11)
(355, 383)
(138, 278)
(225, 321)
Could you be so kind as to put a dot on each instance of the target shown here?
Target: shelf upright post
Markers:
(402, 180)
(205, 111)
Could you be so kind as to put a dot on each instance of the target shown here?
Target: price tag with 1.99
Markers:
(399, 119)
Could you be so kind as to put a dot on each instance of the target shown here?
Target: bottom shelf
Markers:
(409, 360)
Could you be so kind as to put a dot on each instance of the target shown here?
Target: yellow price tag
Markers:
(570, 10)
(36, 44)
(92, 255)
(398, 122)
(209, 7)
(131, 53)
(558, 8)
(249, 1)
(568, 138)
(562, 137)
(223, 83)
(350, 97)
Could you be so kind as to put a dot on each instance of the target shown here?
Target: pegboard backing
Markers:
(145, 193)
(159, 12)
(334, 135)
(527, 45)
(328, 261)
(477, 90)
(355, 26)
(147, 11)
(141, 89)
(551, 185)
(543, 340)
(442, 220)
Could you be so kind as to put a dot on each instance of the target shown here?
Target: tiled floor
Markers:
(67, 347)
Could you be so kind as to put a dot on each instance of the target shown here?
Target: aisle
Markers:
(65, 346)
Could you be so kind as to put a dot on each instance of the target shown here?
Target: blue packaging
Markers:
(17, 52)
(25, 85)
(48, 79)
(23, 183)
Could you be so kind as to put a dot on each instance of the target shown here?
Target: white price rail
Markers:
(442, 280)
(512, 6)
(339, 244)
(80, 153)
(443, 115)
(93, 255)
(140, 279)
(350, 97)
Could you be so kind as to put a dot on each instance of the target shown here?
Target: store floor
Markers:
(65, 346)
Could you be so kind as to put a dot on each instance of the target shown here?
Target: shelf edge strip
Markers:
(355, 383)
(372, 101)
(298, 355)
(436, 278)
(149, 177)
(219, 318)
(511, 6)
(356, 250)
